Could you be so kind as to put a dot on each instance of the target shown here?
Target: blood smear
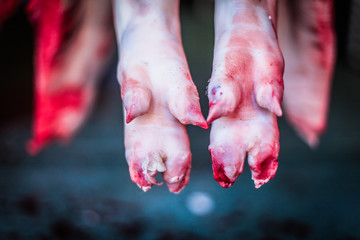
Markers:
(200, 203)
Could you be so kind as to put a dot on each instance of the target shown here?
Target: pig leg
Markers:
(245, 91)
(74, 40)
(158, 94)
(306, 38)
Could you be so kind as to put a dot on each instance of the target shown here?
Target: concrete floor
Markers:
(83, 191)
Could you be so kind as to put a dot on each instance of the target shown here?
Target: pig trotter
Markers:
(158, 94)
(245, 91)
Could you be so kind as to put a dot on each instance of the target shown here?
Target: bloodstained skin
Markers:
(48, 17)
(219, 173)
(134, 86)
(307, 39)
(245, 91)
(138, 176)
(265, 166)
(68, 60)
(239, 68)
(157, 92)
(50, 108)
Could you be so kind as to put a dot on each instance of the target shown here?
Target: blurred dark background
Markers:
(83, 191)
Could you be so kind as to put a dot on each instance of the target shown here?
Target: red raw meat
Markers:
(74, 39)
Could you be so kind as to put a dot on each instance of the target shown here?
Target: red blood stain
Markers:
(73, 98)
(50, 105)
(52, 25)
(214, 90)
(137, 176)
(195, 111)
(56, 23)
(50, 19)
(211, 104)
(203, 125)
(48, 111)
(219, 172)
(188, 76)
(323, 13)
(266, 168)
(129, 116)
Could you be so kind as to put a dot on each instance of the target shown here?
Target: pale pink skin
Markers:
(245, 91)
(246, 87)
(307, 40)
(67, 70)
(158, 94)
(159, 97)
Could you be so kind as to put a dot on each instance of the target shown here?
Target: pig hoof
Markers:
(245, 92)
(158, 94)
